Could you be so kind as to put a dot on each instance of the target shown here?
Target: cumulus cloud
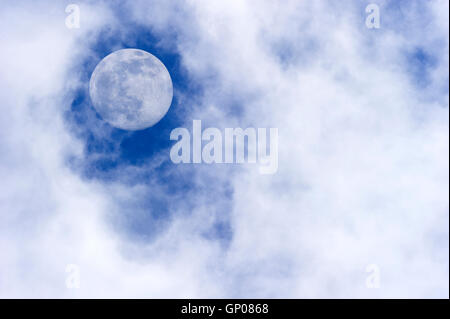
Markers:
(363, 155)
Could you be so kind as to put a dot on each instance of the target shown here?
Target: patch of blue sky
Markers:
(292, 53)
(420, 63)
(417, 60)
(112, 154)
(420, 59)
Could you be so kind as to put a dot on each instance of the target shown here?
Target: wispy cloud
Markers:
(363, 153)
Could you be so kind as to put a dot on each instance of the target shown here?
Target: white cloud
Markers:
(363, 156)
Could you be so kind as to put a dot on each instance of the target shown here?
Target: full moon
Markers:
(131, 89)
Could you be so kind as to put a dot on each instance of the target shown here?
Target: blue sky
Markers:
(362, 116)
(106, 155)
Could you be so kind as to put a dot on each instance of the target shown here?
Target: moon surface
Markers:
(131, 89)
